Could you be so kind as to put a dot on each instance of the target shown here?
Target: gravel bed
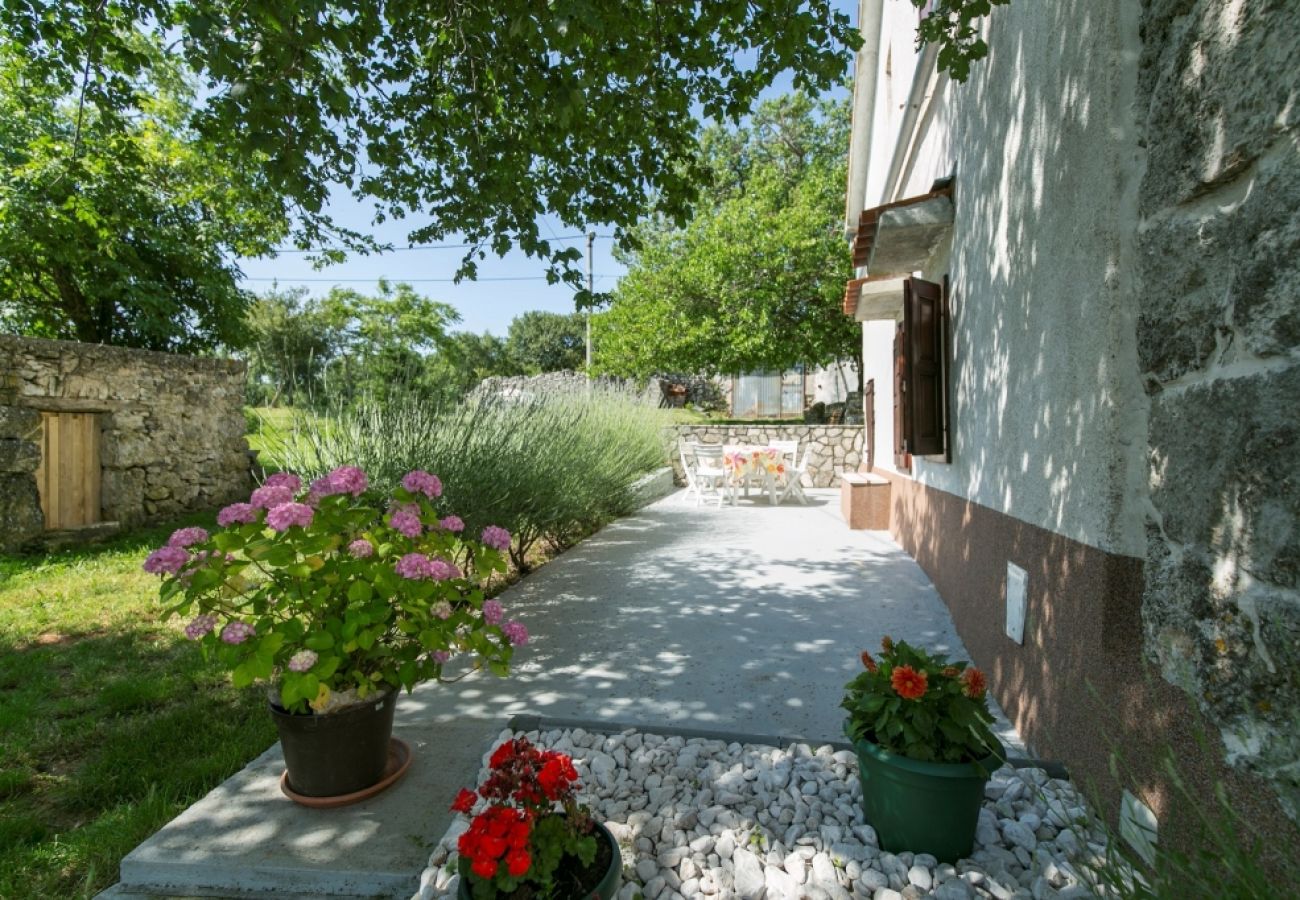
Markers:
(702, 818)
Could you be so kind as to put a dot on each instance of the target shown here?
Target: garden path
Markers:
(744, 619)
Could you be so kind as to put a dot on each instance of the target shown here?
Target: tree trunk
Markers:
(77, 307)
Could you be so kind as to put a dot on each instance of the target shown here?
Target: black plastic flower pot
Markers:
(337, 753)
(600, 883)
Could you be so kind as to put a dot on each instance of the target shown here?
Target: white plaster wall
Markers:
(1049, 416)
(878, 354)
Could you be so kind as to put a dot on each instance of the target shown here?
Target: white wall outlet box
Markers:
(1017, 584)
(1138, 826)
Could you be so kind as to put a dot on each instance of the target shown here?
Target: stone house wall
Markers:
(1218, 334)
(171, 429)
(835, 448)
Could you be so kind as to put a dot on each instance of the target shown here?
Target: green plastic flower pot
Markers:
(923, 807)
(605, 889)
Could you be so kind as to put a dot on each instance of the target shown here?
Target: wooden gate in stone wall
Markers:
(68, 476)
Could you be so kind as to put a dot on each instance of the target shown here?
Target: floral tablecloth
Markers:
(746, 465)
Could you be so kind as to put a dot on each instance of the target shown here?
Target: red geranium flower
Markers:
(975, 684)
(484, 867)
(868, 662)
(909, 683)
(464, 801)
(517, 862)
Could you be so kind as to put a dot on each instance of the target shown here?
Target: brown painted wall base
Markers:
(1079, 688)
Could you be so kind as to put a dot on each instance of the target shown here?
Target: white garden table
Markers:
(748, 464)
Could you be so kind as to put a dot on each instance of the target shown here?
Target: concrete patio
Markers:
(745, 619)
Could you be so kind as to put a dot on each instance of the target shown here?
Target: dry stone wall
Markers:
(1219, 344)
(834, 448)
(171, 429)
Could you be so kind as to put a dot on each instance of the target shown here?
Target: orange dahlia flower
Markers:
(868, 662)
(975, 684)
(909, 683)
(886, 643)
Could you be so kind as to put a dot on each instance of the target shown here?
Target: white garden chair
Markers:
(703, 471)
(710, 475)
(793, 476)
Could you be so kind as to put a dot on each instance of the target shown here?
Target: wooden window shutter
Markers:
(902, 460)
(924, 367)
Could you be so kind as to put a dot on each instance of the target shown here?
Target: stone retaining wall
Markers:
(171, 429)
(1218, 332)
(835, 448)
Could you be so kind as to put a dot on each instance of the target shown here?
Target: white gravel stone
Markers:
(921, 877)
(697, 818)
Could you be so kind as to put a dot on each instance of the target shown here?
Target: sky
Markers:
(506, 286)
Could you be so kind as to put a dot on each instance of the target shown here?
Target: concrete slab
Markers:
(745, 619)
(246, 839)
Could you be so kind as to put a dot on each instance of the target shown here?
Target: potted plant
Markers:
(338, 602)
(530, 837)
(920, 727)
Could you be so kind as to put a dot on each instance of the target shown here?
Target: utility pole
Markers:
(591, 241)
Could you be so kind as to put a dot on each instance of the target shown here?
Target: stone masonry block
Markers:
(1215, 74)
(1225, 474)
(19, 456)
(1217, 280)
(19, 422)
(20, 510)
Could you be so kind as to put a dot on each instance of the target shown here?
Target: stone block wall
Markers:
(1219, 344)
(171, 429)
(835, 448)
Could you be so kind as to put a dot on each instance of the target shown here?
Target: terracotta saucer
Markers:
(399, 760)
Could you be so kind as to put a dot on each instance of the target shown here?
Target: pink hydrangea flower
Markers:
(286, 515)
(441, 656)
(302, 660)
(269, 496)
(184, 537)
(200, 626)
(406, 522)
(166, 560)
(452, 523)
(496, 537)
(421, 482)
(492, 612)
(515, 633)
(441, 570)
(413, 565)
(348, 480)
(237, 512)
(361, 548)
(442, 609)
(284, 479)
(237, 632)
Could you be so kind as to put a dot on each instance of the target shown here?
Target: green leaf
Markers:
(319, 640)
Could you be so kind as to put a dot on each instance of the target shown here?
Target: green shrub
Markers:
(551, 466)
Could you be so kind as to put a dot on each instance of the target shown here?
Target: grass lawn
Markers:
(111, 723)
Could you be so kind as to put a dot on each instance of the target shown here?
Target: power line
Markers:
(396, 280)
(566, 237)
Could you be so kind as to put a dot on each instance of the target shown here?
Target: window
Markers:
(921, 406)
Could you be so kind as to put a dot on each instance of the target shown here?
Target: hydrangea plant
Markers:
(919, 705)
(330, 593)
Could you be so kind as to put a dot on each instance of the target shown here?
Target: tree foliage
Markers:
(754, 280)
(122, 229)
(290, 343)
(361, 344)
(469, 118)
(952, 26)
(548, 342)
